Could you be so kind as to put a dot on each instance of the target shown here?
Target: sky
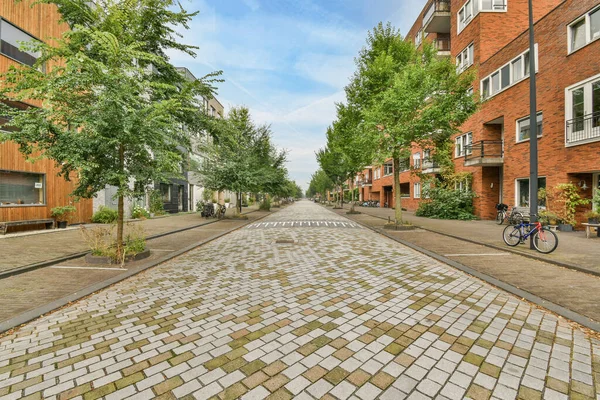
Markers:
(287, 61)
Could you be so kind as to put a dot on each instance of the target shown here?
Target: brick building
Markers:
(492, 36)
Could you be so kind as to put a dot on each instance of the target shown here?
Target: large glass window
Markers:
(523, 192)
(578, 35)
(417, 190)
(523, 125)
(505, 72)
(388, 169)
(578, 108)
(417, 160)
(595, 24)
(496, 82)
(517, 69)
(509, 74)
(21, 188)
(10, 42)
(165, 192)
(464, 144)
(596, 104)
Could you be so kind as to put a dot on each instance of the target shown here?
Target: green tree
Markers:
(113, 106)
(241, 157)
(320, 183)
(425, 104)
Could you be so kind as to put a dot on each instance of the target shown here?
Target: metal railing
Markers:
(436, 5)
(484, 149)
(583, 128)
(429, 164)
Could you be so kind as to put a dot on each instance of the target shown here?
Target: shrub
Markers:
(265, 205)
(105, 215)
(101, 240)
(447, 204)
(139, 212)
(227, 200)
(62, 212)
(156, 203)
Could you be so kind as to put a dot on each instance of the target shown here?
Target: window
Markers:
(508, 75)
(417, 190)
(419, 38)
(584, 30)
(462, 186)
(463, 144)
(165, 192)
(10, 42)
(522, 192)
(22, 188)
(377, 173)
(388, 169)
(473, 7)
(417, 160)
(583, 110)
(426, 155)
(523, 131)
(465, 59)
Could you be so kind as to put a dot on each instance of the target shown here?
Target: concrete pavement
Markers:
(281, 311)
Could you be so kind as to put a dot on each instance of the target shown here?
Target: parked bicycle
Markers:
(544, 240)
(221, 209)
(513, 218)
(210, 210)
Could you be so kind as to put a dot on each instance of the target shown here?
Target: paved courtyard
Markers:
(302, 305)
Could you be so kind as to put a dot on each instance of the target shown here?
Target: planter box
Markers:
(61, 224)
(394, 227)
(593, 220)
(565, 228)
(91, 259)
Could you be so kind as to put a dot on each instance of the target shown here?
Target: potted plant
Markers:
(62, 214)
(569, 196)
(593, 217)
(227, 202)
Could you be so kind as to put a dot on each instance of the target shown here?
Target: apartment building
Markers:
(29, 190)
(491, 36)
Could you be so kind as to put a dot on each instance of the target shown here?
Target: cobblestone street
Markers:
(303, 304)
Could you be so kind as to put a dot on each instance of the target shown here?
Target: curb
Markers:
(532, 256)
(56, 304)
(560, 310)
(47, 263)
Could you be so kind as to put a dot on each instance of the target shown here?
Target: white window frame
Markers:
(520, 120)
(419, 38)
(417, 190)
(512, 79)
(464, 141)
(391, 169)
(588, 30)
(587, 86)
(467, 54)
(475, 7)
(416, 160)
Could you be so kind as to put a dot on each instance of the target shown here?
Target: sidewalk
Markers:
(574, 250)
(21, 250)
(30, 294)
(572, 294)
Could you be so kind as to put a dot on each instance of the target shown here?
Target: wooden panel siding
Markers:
(42, 22)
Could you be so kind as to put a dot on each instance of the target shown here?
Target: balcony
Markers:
(442, 44)
(430, 167)
(486, 153)
(583, 130)
(437, 17)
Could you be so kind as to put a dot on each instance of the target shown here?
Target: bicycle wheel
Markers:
(500, 218)
(512, 235)
(545, 241)
(516, 218)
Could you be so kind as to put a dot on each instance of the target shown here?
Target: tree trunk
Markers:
(397, 195)
(342, 195)
(120, 209)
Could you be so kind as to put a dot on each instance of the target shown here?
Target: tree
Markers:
(113, 106)
(241, 157)
(320, 183)
(425, 104)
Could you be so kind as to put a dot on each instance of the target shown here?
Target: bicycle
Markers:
(544, 240)
(221, 210)
(513, 218)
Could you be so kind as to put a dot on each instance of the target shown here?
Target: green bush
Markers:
(139, 212)
(105, 215)
(447, 204)
(265, 205)
(156, 203)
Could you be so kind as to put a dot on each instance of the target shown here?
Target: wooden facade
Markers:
(42, 22)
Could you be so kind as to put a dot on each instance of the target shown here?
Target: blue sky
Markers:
(287, 60)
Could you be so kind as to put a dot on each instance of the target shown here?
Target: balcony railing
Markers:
(485, 153)
(429, 165)
(436, 6)
(583, 129)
